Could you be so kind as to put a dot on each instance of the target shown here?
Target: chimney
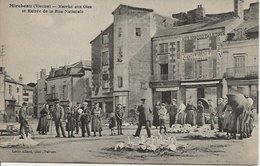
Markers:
(20, 78)
(42, 73)
(239, 8)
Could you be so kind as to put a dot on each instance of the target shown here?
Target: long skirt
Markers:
(191, 117)
(181, 118)
(43, 125)
(96, 124)
(200, 119)
(227, 119)
(156, 120)
(71, 124)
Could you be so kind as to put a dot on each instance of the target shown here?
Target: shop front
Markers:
(208, 89)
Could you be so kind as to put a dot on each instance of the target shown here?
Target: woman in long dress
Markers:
(96, 124)
(200, 114)
(191, 114)
(43, 125)
(181, 114)
(157, 107)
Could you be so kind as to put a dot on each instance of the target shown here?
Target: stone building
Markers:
(187, 59)
(41, 89)
(129, 44)
(13, 94)
(241, 57)
(69, 83)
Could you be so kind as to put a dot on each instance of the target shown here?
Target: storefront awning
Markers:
(200, 83)
(166, 89)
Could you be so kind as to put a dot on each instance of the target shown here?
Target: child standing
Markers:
(162, 117)
(112, 123)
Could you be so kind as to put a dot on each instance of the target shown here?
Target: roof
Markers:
(189, 28)
(11, 80)
(102, 32)
(75, 69)
(248, 25)
(133, 8)
(27, 87)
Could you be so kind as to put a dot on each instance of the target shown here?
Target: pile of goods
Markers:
(16, 142)
(153, 144)
(177, 128)
(205, 133)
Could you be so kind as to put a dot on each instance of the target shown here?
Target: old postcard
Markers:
(128, 81)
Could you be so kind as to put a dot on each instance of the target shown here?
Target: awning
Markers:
(166, 89)
(200, 83)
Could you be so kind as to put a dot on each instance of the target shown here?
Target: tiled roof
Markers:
(11, 80)
(201, 26)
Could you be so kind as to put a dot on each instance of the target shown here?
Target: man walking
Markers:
(77, 107)
(145, 118)
(220, 114)
(173, 109)
(119, 118)
(22, 114)
(85, 119)
(58, 118)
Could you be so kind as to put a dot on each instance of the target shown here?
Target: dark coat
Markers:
(58, 113)
(145, 114)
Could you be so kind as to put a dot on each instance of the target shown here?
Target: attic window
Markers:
(105, 39)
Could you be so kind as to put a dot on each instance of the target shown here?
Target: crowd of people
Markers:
(82, 116)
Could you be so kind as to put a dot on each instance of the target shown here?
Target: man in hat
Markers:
(173, 109)
(145, 118)
(85, 118)
(22, 114)
(119, 118)
(77, 107)
(220, 114)
(58, 118)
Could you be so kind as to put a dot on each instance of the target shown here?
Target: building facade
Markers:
(41, 89)
(129, 42)
(69, 83)
(13, 96)
(187, 59)
(241, 57)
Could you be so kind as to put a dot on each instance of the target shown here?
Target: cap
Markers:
(173, 99)
(119, 104)
(85, 103)
(143, 99)
(87, 100)
(24, 104)
(163, 104)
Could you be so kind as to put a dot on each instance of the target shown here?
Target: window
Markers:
(119, 32)
(202, 44)
(105, 82)
(138, 31)
(64, 92)
(239, 64)
(10, 90)
(143, 85)
(25, 94)
(120, 54)
(105, 58)
(18, 90)
(105, 39)
(178, 46)
(164, 71)
(52, 89)
(202, 68)
(189, 45)
(120, 81)
(188, 69)
(163, 48)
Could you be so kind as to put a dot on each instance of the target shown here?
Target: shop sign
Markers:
(204, 35)
(198, 55)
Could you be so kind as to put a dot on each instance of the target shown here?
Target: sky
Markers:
(35, 41)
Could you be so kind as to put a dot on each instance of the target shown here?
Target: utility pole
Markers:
(2, 53)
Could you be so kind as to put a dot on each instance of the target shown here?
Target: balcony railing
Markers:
(247, 71)
(52, 96)
(165, 77)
